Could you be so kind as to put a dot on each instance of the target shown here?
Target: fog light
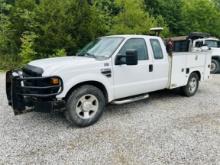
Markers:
(54, 81)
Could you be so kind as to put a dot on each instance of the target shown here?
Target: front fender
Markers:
(70, 83)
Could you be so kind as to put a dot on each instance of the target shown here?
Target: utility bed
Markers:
(184, 63)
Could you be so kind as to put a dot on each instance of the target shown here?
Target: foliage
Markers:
(27, 47)
(170, 10)
(201, 15)
(32, 29)
(4, 27)
(59, 53)
(132, 19)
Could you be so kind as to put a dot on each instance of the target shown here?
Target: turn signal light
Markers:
(54, 81)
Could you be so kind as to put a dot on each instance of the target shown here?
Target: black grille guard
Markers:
(19, 87)
(40, 89)
(35, 91)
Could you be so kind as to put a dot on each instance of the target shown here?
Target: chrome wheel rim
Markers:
(87, 106)
(192, 85)
(213, 67)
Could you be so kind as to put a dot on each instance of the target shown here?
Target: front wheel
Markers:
(215, 66)
(192, 86)
(85, 106)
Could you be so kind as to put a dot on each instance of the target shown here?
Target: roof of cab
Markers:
(133, 36)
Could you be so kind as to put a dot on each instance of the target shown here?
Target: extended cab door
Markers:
(161, 64)
(133, 80)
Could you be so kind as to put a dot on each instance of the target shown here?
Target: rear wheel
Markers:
(85, 106)
(215, 66)
(192, 86)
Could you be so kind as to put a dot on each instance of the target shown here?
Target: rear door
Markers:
(133, 80)
(160, 64)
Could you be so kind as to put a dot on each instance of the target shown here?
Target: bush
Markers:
(8, 62)
(27, 52)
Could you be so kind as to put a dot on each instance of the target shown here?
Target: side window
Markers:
(157, 50)
(138, 44)
(199, 44)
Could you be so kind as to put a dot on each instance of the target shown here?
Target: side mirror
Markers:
(205, 48)
(131, 57)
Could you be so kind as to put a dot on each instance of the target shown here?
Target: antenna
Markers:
(156, 30)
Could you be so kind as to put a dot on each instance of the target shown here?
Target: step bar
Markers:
(130, 99)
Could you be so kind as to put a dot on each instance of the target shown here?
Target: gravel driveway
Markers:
(165, 129)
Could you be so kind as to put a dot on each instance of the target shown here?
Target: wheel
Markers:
(192, 86)
(215, 66)
(85, 106)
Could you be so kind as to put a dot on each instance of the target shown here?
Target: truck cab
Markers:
(214, 45)
(109, 70)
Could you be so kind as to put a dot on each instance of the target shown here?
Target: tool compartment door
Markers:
(178, 76)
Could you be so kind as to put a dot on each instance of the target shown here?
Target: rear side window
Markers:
(181, 46)
(139, 45)
(157, 50)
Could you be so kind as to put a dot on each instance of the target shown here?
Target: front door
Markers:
(133, 80)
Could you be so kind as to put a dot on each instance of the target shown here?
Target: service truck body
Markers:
(122, 68)
(195, 42)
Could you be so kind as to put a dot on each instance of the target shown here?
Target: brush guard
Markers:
(32, 93)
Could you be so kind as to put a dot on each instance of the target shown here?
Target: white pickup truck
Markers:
(214, 45)
(113, 69)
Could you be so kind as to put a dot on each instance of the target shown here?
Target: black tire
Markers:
(190, 89)
(215, 66)
(74, 101)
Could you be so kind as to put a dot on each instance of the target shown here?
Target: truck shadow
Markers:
(167, 95)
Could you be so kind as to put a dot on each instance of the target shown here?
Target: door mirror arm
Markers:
(119, 61)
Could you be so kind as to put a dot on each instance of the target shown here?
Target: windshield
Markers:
(212, 43)
(101, 47)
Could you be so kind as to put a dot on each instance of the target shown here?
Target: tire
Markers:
(215, 66)
(85, 106)
(192, 86)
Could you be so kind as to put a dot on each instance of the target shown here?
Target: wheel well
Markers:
(94, 83)
(198, 73)
(217, 58)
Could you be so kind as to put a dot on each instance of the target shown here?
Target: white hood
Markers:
(215, 51)
(52, 64)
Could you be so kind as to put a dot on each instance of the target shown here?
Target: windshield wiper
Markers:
(90, 55)
(86, 54)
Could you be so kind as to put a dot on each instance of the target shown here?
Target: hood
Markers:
(215, 51)
(52, 64)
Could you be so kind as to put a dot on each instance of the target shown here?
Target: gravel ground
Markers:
(165, 129)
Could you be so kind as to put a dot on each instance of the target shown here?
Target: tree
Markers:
(201, 15)
(217, 2)
(27, 47)
(170, 10)
(5, 30)
(132, 18)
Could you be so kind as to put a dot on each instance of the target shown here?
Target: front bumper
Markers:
(26, 94)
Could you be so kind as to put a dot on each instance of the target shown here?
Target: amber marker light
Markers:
(54, 81)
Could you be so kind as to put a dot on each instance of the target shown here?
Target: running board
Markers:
(130, 99)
